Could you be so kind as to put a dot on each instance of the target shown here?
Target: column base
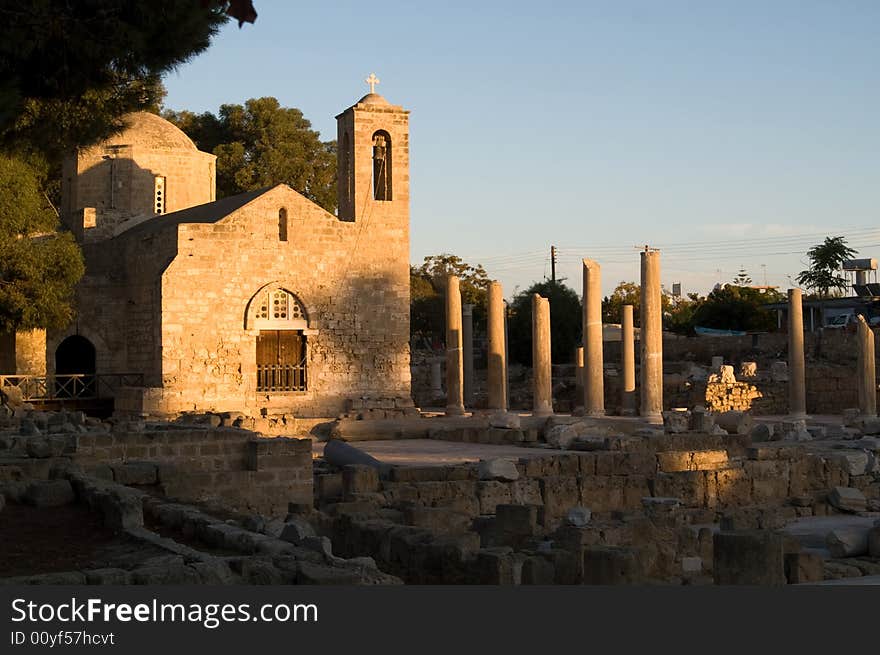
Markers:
(454, 410)
(542, 412)
(653, 419)
(595, 413)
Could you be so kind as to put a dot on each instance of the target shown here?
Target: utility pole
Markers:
(553, 264)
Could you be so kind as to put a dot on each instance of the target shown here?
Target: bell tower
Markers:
(373, 159)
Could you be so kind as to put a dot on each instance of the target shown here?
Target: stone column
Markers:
(467, 336)
(454, 359)
(578, 408)
(797, 397)
(497, 356)
(436, 377)
(541, 366)
(651, 339)
(867, 370)
(593, 381)
(627, 363)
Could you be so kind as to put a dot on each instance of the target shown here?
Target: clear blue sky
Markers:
(726, 133)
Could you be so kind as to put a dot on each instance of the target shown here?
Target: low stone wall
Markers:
(649, 507)
(225, 465)
(229, 466)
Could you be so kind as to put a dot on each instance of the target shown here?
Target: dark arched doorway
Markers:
(75, 356)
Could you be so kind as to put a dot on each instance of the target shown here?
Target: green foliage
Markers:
(38, 266)
(260, 144)
(428, 296)
(734, 307)
(629, 293)
(86, 63)
(679, 317)
(826, 260)
(625, 293)
(566, 320)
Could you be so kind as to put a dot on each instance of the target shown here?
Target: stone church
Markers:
(260, 301)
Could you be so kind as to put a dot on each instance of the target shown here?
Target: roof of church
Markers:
(210, 212)
(152, 131)
(373, 99)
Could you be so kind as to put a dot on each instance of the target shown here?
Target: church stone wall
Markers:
(352, 278)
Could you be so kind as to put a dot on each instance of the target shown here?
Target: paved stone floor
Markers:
(432, 452)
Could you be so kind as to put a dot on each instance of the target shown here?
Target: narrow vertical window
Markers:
(346, 173)
(282, 224)
(382, 166)
(159, 195)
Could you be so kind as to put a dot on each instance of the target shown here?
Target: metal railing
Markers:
(80, 385)
(281, 377)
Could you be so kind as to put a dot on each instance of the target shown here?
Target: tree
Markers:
(39, 267)
(734, 307)
(742, 279)
(87, 63)
(625, 293)
(565, 322)
(630, 293)
(428, 295)
(826, 260)
(261, 144)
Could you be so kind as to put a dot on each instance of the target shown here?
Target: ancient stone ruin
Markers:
(272, 426)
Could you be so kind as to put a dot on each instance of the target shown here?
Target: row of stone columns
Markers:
(589, 358)
(865, 368)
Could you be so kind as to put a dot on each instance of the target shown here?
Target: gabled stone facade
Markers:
(262, 301)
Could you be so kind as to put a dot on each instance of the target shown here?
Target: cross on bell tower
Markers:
(372, 80)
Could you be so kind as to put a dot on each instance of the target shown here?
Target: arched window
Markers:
(282, 224)
(382, 165)
(281, 309)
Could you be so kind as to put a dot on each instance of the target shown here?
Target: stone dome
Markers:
(373, 99)
(150, 131)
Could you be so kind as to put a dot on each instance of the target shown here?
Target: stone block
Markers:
(526, 491)
(803, 568)
(516, 520)
(51, 493)
(498, 469)
(762, 432)
(441, 520)
(748, 558)
(505, 420)
(847, 541)
(691, 565)
(295, 530)
(496, 566)
(874, 541)
(676, 422)
(854, 462)
(611, 565)
(578, 517)
(490, 494)
(359, 479)
(328, 486)
(847, 499)
(538, 570)
(135, 473)
(560, 493)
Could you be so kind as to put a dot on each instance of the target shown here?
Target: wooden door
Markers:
(280, 361)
